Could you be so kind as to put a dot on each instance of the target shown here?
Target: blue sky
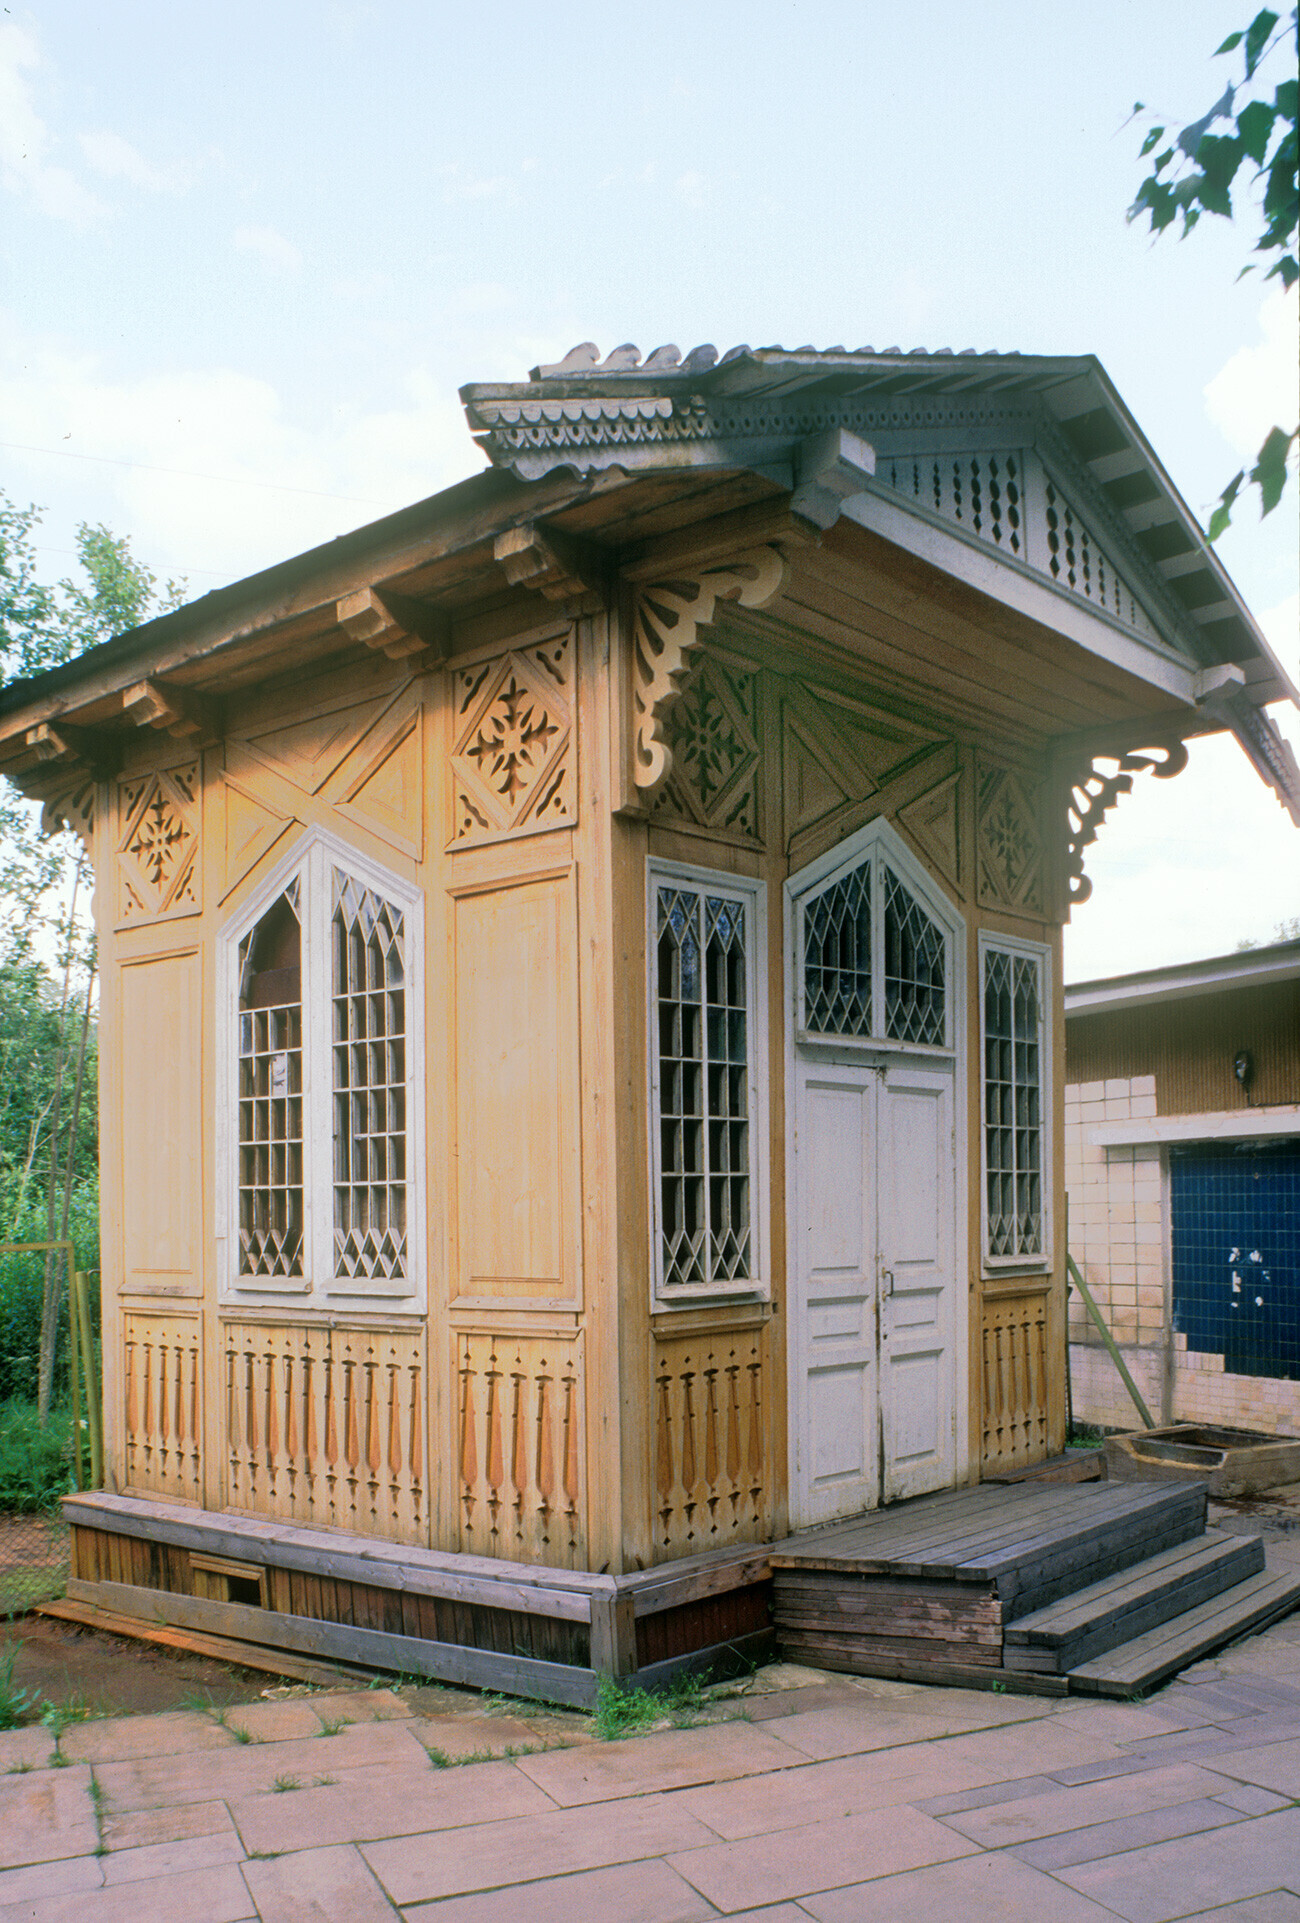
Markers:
(250, 254)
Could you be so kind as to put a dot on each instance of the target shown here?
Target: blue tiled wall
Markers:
(1236, 1254)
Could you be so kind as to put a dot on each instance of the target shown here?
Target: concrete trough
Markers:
(1230, 1462)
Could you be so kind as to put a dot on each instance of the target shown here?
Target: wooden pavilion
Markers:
(581, 1017)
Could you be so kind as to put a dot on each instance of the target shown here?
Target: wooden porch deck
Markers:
(1096, 1586)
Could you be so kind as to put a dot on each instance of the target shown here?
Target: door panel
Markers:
(916, 1229)
(834, 1330)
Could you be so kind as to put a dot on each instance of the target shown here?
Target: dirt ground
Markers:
(84, 1670)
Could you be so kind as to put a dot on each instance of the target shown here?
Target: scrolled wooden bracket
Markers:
(393, 624)
(554, 564)
(666, 620)
(152, 704)
(73, 807)
(1091, 795)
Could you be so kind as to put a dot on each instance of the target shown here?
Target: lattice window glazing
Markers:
(369, 1049)
(837, 957)
(1013, 1103)
(702, 1010)
(270, 1095)
(915, 967)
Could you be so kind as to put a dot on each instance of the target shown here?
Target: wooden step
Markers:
(1076, 1465)
(1125, 1605)
(1162, 1651)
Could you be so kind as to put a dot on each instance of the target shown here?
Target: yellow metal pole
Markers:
(1109, 1340)
(94, 1413)
(74, 1373)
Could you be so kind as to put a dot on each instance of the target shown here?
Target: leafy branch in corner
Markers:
(1195, 173)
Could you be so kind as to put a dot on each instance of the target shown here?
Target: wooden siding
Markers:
(1190, 1046)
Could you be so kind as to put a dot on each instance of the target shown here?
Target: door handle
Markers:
(887, 1278)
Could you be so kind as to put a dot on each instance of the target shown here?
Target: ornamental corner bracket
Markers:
(667, 617)
(1091, 794)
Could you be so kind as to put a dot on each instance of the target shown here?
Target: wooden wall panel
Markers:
(521, 1446)
(1190, 1046)
(712, 1448)
(518, 1201)
(327, 1426)
(163, 1415)
(1014, 1355)
(160, 1038)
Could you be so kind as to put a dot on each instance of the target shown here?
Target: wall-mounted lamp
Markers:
(1244, 1068)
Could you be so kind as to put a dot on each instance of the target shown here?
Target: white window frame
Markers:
(1040, 952)
(879, 845)
(752, 894)
(313, 859)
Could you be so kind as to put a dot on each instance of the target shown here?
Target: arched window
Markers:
(874, 961)
(325, 1099)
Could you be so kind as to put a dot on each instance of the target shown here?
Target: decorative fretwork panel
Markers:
(1008, 499)
(326, 1426)
(714, 755)
(158, 844)
(513, 765)
(1014, 1354)
(837, 957)
(711, 1480)
(915, 968)
(521, 1447)
(702, 1006)
(1009, 843)
(369, 1047)
(162, 1385)
(1013, 1120)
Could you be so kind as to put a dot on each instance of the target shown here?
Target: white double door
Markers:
(872, 1284)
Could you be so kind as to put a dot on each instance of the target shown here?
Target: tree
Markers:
(44, 888)
(1195, 174)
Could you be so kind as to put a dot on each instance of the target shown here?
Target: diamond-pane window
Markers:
(369, 1048)
(702, 1040)
(837, 957)
(915, 959)
(1013, 1104)
(270, 1094)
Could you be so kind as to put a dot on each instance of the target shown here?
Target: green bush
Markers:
(35, 1467)
(22, 1290)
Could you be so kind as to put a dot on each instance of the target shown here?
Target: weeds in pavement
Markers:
(283, 1783)
(15, 1702)
(621, 1712)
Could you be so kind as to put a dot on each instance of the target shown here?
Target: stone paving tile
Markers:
(1077, 1808)
(361, 1706)
(1194, 1873)
(1123, 1722)
(45, 1815)
(630, 1893)
(276, 1722)
(22, 1749)
(1126, 1833)
(1097, 1772)
(1278, 1727)
(991, 1793)
(1277, 1906)
(139, 1829)
(207, 1896)
(672, 1760)
(1043, 1749)
(318, 1886)
(852, 1729)
(1250, 1800)
(394, 1803)
(120, 1739)
(988, 1889)
(64, 1878)
(487, 1856)
(247, 1768)
(817, 1856)
(461, 1736)
(1271, 1766)
(152, 1861)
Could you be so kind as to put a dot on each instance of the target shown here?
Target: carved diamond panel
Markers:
(157, 866)
(512, 760)
(1010, 846)
(713, 737)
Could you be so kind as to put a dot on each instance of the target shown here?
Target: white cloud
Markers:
(206, 471)
(25, 140)
(117, 159)
(271, 245)
(1259, 387)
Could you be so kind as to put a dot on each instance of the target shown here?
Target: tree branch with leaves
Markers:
(1195, 174)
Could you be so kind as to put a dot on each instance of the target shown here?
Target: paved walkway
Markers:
(850, 1801)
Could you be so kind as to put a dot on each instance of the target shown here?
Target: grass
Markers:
(15, 1702)
(35, 1458)
(283, 1783)
(622, 1712)
(331, 1725)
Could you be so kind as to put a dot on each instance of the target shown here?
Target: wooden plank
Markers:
(1161, 1652)
(827, 1639)
(532, 1590)
(613, 1635)
(1114, 1595)
(444, 1662)
(734, 1658)
(223, 1649)
(960, 1675)
(669, 1586)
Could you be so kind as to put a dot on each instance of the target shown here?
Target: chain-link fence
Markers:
(34, 1552)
